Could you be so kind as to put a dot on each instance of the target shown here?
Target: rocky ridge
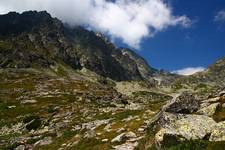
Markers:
(33, 39)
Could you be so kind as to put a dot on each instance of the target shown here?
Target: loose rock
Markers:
(209, 110)
(218, 133)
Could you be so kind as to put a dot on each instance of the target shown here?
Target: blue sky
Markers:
(199, 45)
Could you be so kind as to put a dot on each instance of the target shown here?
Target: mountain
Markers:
(143, 67)
(210, 79)
(65, 87)
(216, 72)
(36, 39)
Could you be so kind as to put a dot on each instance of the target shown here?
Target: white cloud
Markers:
(129, 20)
(220, 16)
(189, 70)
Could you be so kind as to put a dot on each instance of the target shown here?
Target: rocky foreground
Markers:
(45, 112)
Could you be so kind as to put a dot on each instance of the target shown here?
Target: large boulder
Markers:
(184, 103)
(209, 110)
(218, 133)
(179, 127)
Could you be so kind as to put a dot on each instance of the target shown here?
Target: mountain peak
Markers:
(42, 40)
(14, 23)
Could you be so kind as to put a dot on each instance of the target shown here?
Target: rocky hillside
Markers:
(204, 82)
(35, 39)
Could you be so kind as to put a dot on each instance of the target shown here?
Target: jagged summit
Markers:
(14, 23)
(37, 39)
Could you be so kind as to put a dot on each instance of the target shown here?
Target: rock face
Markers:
(189, 127)
(183, 103)
(209, 110)
(143, 67)
(36, 39)
(185, 118)
(218, 133)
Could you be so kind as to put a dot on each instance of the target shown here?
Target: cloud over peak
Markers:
(130, 21)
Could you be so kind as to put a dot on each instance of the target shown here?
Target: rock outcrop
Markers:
(184, 103)
(188, 127)
(218, 133)
(209, 110)
(185, 118)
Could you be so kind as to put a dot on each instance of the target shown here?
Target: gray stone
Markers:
(130, 135)
(90, 134)
(11, 107)
(28, 102)
(185, 126)
(218, 133)
(21, 147)
(120, 130)
(107, 128)
(141, 130)
(119, 138)
(124, 136)
(126, 146)
(222, 93)
(209, 110)
(105, 140)
(223, 105)
(184, 103)
(44, 141)
(211, 100)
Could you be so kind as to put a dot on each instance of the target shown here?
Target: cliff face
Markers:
(36, 39)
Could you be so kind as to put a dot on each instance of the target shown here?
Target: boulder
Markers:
(184, 103)
(222, 93)
(90, 134)
(131, 135)
(223, 105)
(212, 100)
(120, 130)
(178, 127)
(218, 133)
(119, 138)
(141, 130)
(124, 136)
(21, 147)
(108, 128)
(44, 141)
(209, 110)
(126, 146)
